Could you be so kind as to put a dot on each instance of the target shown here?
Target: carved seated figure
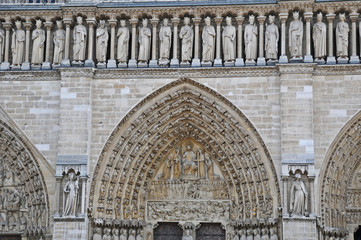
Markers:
(189, 165)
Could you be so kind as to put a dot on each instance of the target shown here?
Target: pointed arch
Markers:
(341, 169)
(22, 180)
(181, 110)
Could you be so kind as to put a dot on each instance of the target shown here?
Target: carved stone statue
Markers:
(342, 30)
(319, 37)
(249, 234)
(131, 234)
(79, 36)
(256, 234)
(140, 235)
(123, 234)
(102, 37)
(2, 44)
(71, 194)
(59, 43)
(242, 234)
(228, 40)
(177, 164)
(208, 41)
(106, 235)
(295, 36)
(299, 197)
(167, 169)
(38, 37)
(271, 39)
(265, 235)
(123, 42)
(235, 236)
(273, 234)
(165, 38)
(201, 164)
(210, 167)
(189, 165)
(187, 235)
(18, 44)
(186, 34)
(144, 42)
(250, 39)
(97, 234)
(115, 233)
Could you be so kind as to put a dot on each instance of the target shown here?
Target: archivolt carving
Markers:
(183, 111)
(23, 195)
(340, 178)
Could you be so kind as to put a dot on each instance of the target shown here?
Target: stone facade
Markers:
(257, 148)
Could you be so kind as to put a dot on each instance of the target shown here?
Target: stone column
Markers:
(111, 62)
(285, 194)
(239, 59)
(90, 62)
(261, 61)
(175, 61)
(154, 61)
(283, 17)
(133, 61)
(196, 62)
(26, 63)
(47, 64)
(354, 58)
(66, 61)
(218, 60)
(330, 58)
(5, 65)
(57, 196)
(308, 17)
(83, 196)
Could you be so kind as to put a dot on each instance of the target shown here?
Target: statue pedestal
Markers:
(65, 63)
(36, 66)
(153, 63)
(163, 63)
(206, 64)
(185, 64)
(77, 64)
(296, 60)
(133, 63)
(101, 65)
(308, 59)
(196, 62)
(239, 62)
(283, 59)
(320, 61)
(174, 62)
(142, 64)
(5, 66)
(229, 64)
(89, 63)
(112, 64)
(250, 62)
(342, 60)
(217, 62)
(354, 59)
(123, 65)
(261, 61)
(331, 60)
(24, 66)
(299, 228)
(46, 66)
(272, 62)
(70, 228)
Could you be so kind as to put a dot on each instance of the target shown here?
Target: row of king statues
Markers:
(228, 45)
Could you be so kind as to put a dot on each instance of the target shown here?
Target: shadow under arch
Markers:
(340, 176)
(24, 191)
(177, 112)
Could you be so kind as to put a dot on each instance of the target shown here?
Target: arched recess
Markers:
(24, 199)
(181, 112)
(340, 181)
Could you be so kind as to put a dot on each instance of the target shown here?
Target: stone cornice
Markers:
(29, 76)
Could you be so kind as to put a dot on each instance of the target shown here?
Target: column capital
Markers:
(354, 17)
(48, 24)
(7, 25)
(283, 17)
(175, 21)
(308, 16)
(133, 21)
(218, 20)
(112, 22)
(154, 21)
(240, 20)
(196, 20)
(67, 21)
(261, 19)
(91, 22)
(27, 25)
(330, 17)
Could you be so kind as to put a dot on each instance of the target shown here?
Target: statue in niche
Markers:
(271, 39)
(250, 39)
(102, 37)
(242, 234)
(273, 234)
(71, 195)
(299, 197)
(319, 37)
(256, 234)
(249, 234)
(2, 44)
(38, 37)
(97, 233)
(140, 234)
(131, 234)
(123, 234)
(296, 36)
(123, 42)
(106, 235)
(186, 34)
(228, 40)
(17, 44)
(59, 42)
(187, 235)
(144, 42)
(165, 37)
(342, 30)
(189, 164)
(208, 41)
(115, 233)
(265, 235)
(79, 36)
(235, 235)
(201, 164)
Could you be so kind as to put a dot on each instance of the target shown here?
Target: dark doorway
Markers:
(357, 234)
(168, 231)
(211, 231)
(10, 237)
